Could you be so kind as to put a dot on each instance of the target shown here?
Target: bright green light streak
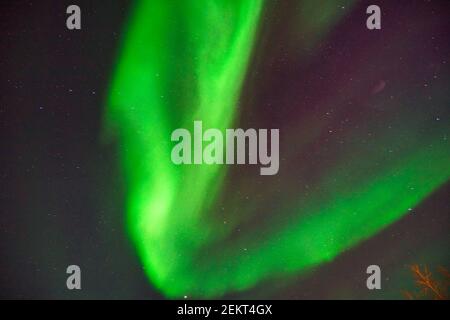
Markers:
(185, 61)
(207, 44)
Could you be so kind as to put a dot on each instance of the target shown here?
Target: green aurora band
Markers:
(187, 60)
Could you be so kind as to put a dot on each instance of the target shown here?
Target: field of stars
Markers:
(87, 116)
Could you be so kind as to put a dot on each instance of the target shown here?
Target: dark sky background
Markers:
(62, 195)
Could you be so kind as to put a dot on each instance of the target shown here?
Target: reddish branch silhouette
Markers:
(429, 287)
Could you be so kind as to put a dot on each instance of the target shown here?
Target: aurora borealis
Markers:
(86, 118)
(351, 164)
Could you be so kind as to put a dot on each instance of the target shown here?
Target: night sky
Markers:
(86, 117)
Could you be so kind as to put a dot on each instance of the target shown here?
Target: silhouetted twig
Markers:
(428, 286)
